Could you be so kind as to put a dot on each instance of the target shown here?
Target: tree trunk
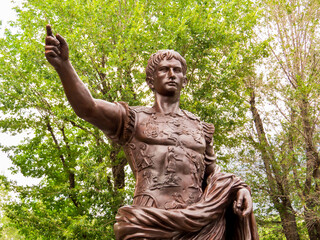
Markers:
(288, 219)
(312, 221)
(312, 194)
(119, 174)
(279, 195)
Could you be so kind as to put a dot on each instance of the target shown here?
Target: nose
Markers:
(171, 74)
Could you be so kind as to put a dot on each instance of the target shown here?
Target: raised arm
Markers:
(103, 114)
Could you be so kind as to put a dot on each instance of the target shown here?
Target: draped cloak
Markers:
(207, 217)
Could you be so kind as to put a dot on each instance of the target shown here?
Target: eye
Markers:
(163, 69)
(178, 70)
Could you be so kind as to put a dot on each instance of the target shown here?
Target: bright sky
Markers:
(7, 14)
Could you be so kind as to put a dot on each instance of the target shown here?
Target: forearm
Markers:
(77, 93)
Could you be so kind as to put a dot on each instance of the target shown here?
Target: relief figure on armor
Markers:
(180, 192)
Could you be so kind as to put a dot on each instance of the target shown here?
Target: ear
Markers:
(150, 83)
(185, 82)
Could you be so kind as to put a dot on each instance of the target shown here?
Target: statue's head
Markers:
(157, 57)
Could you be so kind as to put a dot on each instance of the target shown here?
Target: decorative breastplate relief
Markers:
(167, 155)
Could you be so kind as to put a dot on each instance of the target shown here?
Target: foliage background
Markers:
(234, 78)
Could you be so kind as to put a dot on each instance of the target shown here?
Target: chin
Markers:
(171, 93)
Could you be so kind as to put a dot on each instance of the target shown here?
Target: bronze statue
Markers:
(180, 192)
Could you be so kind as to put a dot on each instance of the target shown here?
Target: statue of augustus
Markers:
(180, 192)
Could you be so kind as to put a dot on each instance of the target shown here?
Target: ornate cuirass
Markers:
(166, 153)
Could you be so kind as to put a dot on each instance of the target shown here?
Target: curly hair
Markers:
(157, 57)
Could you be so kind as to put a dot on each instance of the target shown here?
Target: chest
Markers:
(176, 130)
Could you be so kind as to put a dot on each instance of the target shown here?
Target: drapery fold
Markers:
(211, 218)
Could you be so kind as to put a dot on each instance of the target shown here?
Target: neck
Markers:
(166, 104)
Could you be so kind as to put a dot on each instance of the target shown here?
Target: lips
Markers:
(171, 83)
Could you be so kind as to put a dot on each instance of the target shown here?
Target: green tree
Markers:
(7, 231)
(84, 177)
(287, 130)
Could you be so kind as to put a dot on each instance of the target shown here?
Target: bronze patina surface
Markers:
(180, 192)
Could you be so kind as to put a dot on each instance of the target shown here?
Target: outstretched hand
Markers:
(242, 206)
(56, 49)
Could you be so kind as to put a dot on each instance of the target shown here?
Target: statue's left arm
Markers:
(242, 205)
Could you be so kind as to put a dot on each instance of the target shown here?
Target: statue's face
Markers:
(168, 78)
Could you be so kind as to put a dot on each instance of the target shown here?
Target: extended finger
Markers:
(52, 48)
(49, 30)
